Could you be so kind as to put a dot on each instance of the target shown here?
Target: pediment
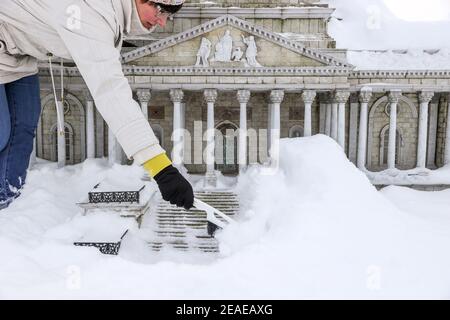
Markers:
(229, 42)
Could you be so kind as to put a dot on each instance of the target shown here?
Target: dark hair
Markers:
(169, 8)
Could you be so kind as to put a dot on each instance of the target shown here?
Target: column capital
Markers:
(243, 96)
(210, 95)
(144, 95)
(308, 96)
(176, 95)
(276, 96)
(87, 95)
(341, 96)
(365, 95)
(394, 96)
(426, 96)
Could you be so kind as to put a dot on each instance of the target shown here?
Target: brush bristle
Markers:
(212, 228)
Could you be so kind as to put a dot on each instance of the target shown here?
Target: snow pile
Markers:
(314, 228)
(416, 176)
(339, 232)
(413, 201)
(409, 60)
(372, 25)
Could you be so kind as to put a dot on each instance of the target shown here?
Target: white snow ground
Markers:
(314, 229)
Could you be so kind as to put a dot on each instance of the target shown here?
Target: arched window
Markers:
(384, 146)
(376, 154)
(226, 148)
(296, 132)
(74, 113)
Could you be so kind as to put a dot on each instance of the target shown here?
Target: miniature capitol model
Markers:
(266, 66)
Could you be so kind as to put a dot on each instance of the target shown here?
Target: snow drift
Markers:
(371, 25)
(316, 228)
(365, 25)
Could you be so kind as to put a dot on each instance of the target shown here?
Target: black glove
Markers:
(175, 188)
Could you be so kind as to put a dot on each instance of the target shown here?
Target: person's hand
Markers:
(173, 186)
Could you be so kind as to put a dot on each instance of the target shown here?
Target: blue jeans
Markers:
(20, 108)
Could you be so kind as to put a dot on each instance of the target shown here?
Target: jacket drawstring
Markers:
(58, 113)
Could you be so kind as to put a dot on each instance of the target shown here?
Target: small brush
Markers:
(213, 222)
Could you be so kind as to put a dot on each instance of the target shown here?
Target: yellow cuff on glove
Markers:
(157, 164)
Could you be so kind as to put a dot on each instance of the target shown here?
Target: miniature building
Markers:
(266, 66)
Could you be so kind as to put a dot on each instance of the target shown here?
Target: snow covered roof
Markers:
(372, 29)
(372, 25)
(400, 59)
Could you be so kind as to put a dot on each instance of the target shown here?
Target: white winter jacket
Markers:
(89, 32)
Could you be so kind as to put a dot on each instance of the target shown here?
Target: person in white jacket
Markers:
(90, 32)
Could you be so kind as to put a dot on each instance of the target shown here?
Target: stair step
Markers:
(187, 230)
(193, 211)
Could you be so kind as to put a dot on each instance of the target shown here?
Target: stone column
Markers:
(447, 135)
(100, 133)
(243, 98)
(210, 97)
(144, 97)
(183, 115)
(61, 135)
(322, 115)
(269, 124)
(341, 99)
(353, 128)
(177, 95)
(433, 116)
(183, 137)
(276, 97)
(308, 97)
(90, 126)
(394, 97)
(364, 98)
(334, 118)
(424, 98)
(328, 115)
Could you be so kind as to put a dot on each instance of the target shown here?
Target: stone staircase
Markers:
(186, 231)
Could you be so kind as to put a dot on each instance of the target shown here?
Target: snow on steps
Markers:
(187, 230)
